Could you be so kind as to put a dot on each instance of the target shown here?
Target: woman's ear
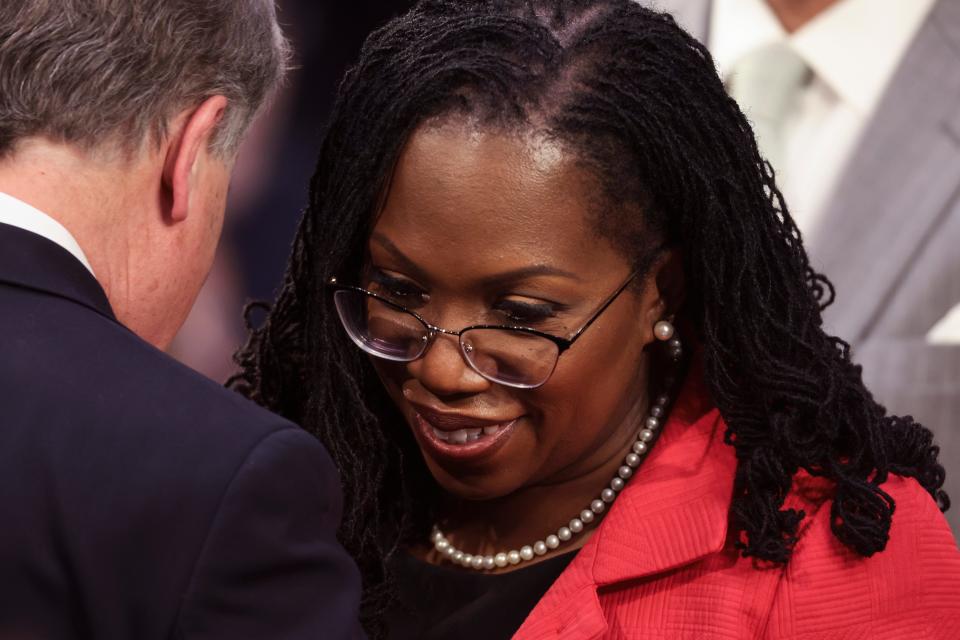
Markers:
(671, 281)
(664, 289)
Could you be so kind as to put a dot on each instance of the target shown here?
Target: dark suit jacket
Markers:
(138, 499)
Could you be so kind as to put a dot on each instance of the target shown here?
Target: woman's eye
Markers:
(524, 313)
(398, 289)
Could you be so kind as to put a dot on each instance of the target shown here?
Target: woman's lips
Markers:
(465, 443)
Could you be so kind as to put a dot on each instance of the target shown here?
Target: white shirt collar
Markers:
(19, 214)
(854, 47)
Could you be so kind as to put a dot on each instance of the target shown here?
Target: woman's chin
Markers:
(475, 489)
(476, 484)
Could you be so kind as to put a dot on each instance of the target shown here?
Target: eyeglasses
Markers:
(513, 356)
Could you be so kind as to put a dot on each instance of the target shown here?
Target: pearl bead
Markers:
(663, 330)
(553, 541)
(675, 344)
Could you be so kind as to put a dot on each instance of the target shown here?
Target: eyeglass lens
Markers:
(505, 356)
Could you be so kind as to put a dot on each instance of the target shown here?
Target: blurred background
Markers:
(269, 188)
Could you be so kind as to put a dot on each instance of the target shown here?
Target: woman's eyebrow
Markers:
(409, 265)
(497, 279)
(524, 273)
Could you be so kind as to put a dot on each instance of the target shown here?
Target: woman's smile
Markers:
(460, 438)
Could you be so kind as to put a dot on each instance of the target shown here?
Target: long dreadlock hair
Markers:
(638, 100)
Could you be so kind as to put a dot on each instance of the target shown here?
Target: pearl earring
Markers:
(664, 331)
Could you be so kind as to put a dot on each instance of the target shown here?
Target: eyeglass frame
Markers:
(563, 344)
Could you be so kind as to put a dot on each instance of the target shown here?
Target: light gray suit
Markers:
(890, 240)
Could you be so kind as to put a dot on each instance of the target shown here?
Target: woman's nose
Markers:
(443, 371)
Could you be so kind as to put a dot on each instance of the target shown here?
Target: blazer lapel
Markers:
(674, 512)
(894, 193)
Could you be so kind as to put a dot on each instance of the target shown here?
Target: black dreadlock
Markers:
(639, 100)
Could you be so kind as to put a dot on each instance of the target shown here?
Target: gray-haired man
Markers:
(137, 499)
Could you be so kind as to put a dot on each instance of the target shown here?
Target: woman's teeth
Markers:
(463, 436)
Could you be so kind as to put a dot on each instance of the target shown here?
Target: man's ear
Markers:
(183, 153)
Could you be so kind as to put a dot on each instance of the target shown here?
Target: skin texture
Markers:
(793, 14)
(464, 208)
(149, 224)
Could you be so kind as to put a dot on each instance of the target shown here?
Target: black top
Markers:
(444, 601)
(139, 499)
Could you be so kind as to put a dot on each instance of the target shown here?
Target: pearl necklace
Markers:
(645, 440)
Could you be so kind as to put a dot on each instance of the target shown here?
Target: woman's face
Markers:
(488, 228)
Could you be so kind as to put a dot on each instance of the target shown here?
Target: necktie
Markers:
(767, 83)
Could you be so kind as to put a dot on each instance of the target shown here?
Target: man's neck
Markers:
(794, 14)
(91, 198)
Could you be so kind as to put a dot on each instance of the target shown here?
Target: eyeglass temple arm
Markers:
(609, 301)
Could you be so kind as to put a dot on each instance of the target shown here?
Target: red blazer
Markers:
(662, 564)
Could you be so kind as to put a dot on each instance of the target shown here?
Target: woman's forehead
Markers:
(499, 199)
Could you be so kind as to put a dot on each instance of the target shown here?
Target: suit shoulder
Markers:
(828, 589)
(75, 369)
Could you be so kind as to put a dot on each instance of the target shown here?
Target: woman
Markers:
(550, 315)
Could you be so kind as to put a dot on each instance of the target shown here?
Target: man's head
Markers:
(121, 119)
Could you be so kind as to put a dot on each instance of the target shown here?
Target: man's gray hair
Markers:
(89, 72)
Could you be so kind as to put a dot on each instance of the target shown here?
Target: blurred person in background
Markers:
(269, 188)
(550, 314)
(137, 498)
(856, 104)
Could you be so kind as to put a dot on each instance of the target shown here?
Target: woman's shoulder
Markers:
(917, 526)
(911, 589)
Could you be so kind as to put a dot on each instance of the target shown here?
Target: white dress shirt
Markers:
(18, 213)
(852, 49)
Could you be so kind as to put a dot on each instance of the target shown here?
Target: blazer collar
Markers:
(673, 512)
(33, 262)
